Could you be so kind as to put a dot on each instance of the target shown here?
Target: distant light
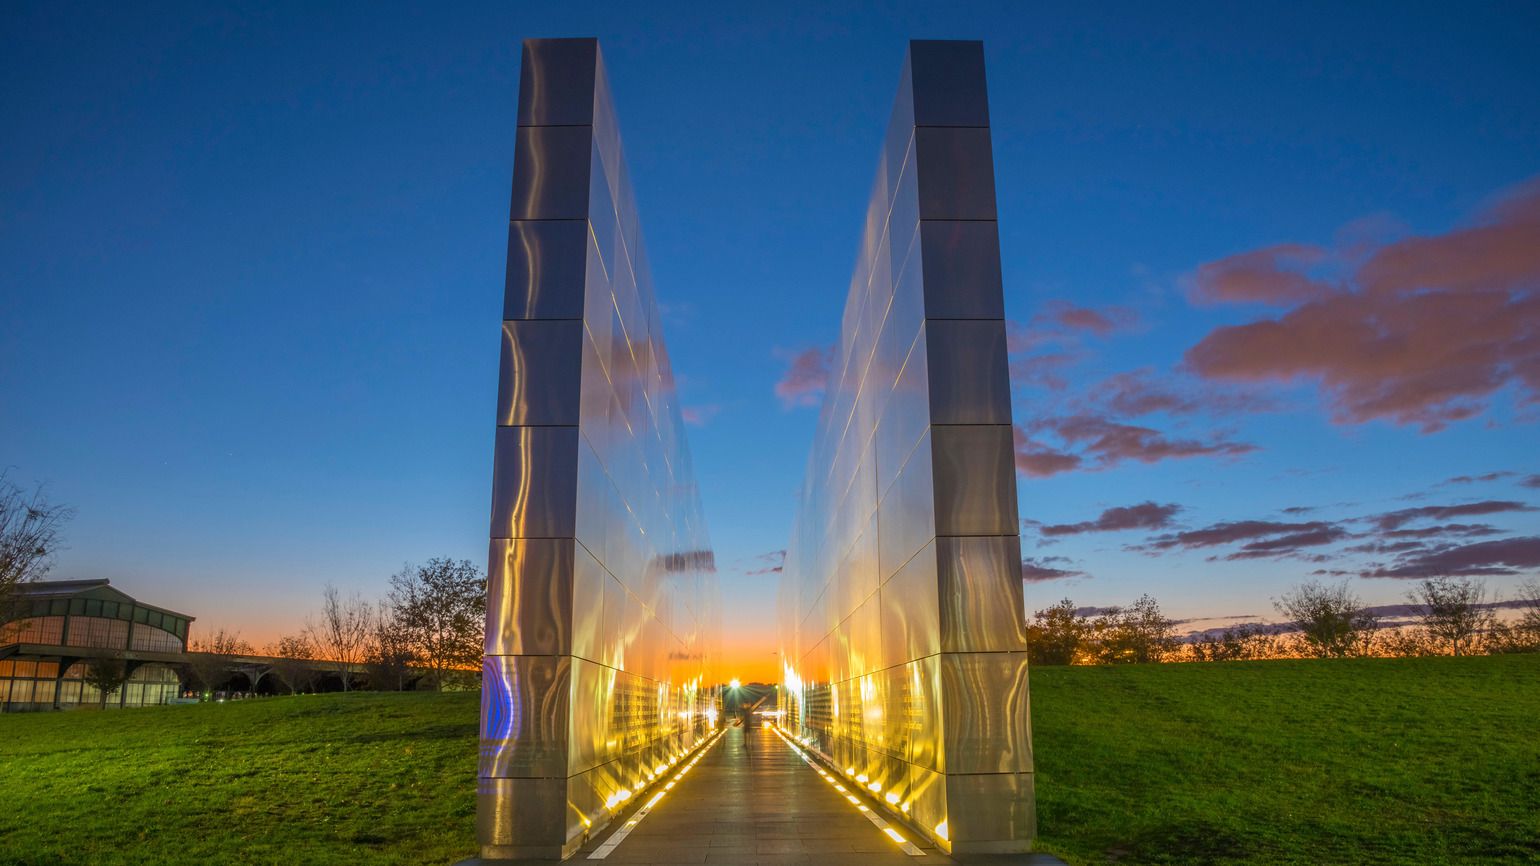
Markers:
(733, 683)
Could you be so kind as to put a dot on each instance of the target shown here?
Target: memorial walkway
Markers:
(761, 805)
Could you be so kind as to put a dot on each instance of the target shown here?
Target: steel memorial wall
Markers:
(901, 601)
(602, 607)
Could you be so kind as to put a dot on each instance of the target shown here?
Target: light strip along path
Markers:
(760, 806)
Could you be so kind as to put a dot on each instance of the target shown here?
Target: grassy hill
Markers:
(1362, 761)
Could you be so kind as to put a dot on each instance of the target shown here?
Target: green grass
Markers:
(333, 779)
(1431, 760)
(1354, 761)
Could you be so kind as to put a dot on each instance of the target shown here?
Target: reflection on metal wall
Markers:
(602, 607)
(901, 602)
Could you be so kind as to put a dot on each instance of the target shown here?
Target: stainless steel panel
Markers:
(534, 482)
(916, 423)
(910, 609)
(524, 712)
(961, 262)
(588, 581)
(956, 173)
(906, 517)
(610, 575)
(969, 377)
(550, 173)
(985, 704)
(545, 275)
(521, 818)
(540, 381)
(975, 480)
(529, 596)
(980, 591)
(556, 82)
(994, 813)
(948, 82)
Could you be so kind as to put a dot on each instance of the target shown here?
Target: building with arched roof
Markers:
(59, 628)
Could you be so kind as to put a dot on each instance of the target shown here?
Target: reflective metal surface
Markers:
(603, 611)
(901, 601)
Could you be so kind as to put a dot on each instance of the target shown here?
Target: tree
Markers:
(1243, 641)
(390, 656)
(1453, 611)
(1331, 619)
(107, 675)
(208, 658)
(30, 529)
(342, 633)
(1138, 633)
(293, 662)
(1523, 634)
(1057, 634)
(440, 609)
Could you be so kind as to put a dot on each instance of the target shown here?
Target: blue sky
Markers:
(251, 263)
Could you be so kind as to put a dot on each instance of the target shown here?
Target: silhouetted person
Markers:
(747, 719)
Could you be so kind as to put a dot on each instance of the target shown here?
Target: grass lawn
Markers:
(1354, 761)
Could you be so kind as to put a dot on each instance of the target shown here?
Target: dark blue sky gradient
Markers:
(251, 259)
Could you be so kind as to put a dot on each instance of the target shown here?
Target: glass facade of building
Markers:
(901, 601)
(46, 651)
(602, 601)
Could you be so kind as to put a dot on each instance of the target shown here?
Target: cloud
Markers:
(1397, 519)
(1290, 544)
(1097, 442)
(1102, 322)
(1036, 460)
(1268, 276)
(773, 562)
(1467, 530)
(1474, 479)
(1036, 571)
(1043, 371)
(1232, 531)
(1140, 392)
(806, 377)
(698, 416)
(1145, 515)
(1532, 481)
(1500, 557)
(1423, 331)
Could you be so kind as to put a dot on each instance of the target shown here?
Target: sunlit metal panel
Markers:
(603, 612)
(902, 631)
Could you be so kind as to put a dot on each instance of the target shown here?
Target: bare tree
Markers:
(342, 633)
(1523, 634)
(1242, 641)
(1331, 619)
(1453, 611)
(30, 529)
(293, 662)
(440, 609)
(390, 656)
(107, 675)
(208, 658)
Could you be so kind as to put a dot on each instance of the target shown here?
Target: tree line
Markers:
(427, 631)
(1449, 616)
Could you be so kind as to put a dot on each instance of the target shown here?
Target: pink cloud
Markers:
(1037, 570)
(699, 416)
(1145, 515)
(1422, 333)
(1267, 276)
(1501, 557)
(806, 377)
